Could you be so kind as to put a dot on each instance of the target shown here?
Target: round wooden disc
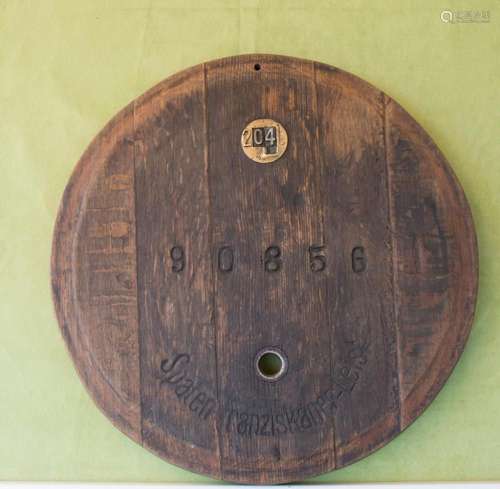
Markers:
(264, 322)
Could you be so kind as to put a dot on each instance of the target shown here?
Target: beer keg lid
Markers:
(264, 269)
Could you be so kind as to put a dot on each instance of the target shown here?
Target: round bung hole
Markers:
(271, 364)
(256, 66)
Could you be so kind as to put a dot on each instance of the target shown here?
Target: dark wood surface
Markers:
(177, 259)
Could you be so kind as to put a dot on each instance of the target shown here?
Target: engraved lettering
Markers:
(358, 259)
(265, 421)
(286, 420)
(226, 259)
(258, 136)
(264, 140)
(280, 424)
(317, 260)
(174, 375)
(254, 417)
(346, 376)
(317, 415)
(230, 418)
(184, 388)
(272, 259)
(247, 136)
(198, 402)
(190, 392)
(178, 259)
(266, 137)
(242, 425)
(270, 135)
(208, 408)
(305, 420)
(291, 419)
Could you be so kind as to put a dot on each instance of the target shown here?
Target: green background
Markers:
(66, 67)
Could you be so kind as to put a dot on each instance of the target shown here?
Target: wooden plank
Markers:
(94, 270)
(175, 277)
(357, 226)
(436, 261)
(268, 205)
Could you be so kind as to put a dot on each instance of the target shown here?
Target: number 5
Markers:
(317, 261)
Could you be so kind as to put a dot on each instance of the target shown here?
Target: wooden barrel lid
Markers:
(264, 269)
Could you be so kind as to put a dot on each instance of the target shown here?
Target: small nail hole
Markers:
(256, 66)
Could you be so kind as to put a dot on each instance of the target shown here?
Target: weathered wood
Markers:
(178, 262)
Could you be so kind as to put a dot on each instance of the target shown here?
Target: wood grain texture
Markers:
(177, 259)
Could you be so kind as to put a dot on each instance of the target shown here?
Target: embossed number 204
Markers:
(259, 136)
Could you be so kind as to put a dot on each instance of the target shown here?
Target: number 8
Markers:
(178, 259)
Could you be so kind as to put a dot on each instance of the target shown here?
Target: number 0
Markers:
(258, 137)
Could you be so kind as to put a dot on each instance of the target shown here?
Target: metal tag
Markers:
(264, 140)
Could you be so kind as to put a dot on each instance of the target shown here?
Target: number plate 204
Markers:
(264, 140)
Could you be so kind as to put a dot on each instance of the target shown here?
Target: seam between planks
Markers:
(395, 295)
(212, 273)
(139, 335)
